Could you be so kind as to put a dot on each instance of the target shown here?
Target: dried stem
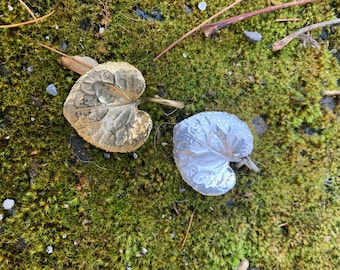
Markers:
(195, 29)
(163, 101)
(278, 45)
(209, 29)
(331, 93)
(28, 9)
(187, 232)
(67, 56)
(89, 161)
(288, 20)
(27, 22)
(54, 50)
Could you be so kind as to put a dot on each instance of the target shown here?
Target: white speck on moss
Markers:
(101, 30)
(52, 90)
(202, 6)
(85, 221)
(49, 249)
(8, 204)
(253, 36)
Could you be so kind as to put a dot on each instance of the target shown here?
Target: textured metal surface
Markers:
(205, 144)
(102, 107)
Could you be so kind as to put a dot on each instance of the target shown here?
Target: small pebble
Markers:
(182, 189)
(184, 55)
(1, 217)
(260, 125)
(142, 253)
(63, 45)
(107, 155)
(85, 221)
(29, 69)
(10, 8)
(135, 155)
(187, 9)
(202, 6)
(328, 103)
(49, 249)
(51, 89)
(243, 265)
(101, 30)
(184, 260)
(8, 204)
(253, 36)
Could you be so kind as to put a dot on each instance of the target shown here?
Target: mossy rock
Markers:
(98, 212)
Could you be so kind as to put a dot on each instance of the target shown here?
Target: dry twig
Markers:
(331, 92)
(209, 29)
(89, 161)
(278, 45)
(67, 56)
(27, 22)
(288, 20)
(174, 206)
(28, 9)
(187, 232)
(195, 29)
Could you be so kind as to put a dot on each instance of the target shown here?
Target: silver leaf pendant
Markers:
(204, 146)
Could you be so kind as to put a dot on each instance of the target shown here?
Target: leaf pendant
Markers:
(205, 144)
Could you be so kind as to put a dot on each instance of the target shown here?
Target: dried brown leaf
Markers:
(102, 107)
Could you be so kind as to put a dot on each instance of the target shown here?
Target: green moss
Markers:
(102, 214)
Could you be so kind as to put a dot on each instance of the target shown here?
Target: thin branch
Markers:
(54, 50)
(163, 101)
(209, 29)
(89, 161)
(187, 232)
(288, 20)
(27, 22)
(195, 29)
(174, 206)
(28, 9)
(278, 45)
(331, 93)
(67, 56)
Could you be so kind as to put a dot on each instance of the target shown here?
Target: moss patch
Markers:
(101, 212)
